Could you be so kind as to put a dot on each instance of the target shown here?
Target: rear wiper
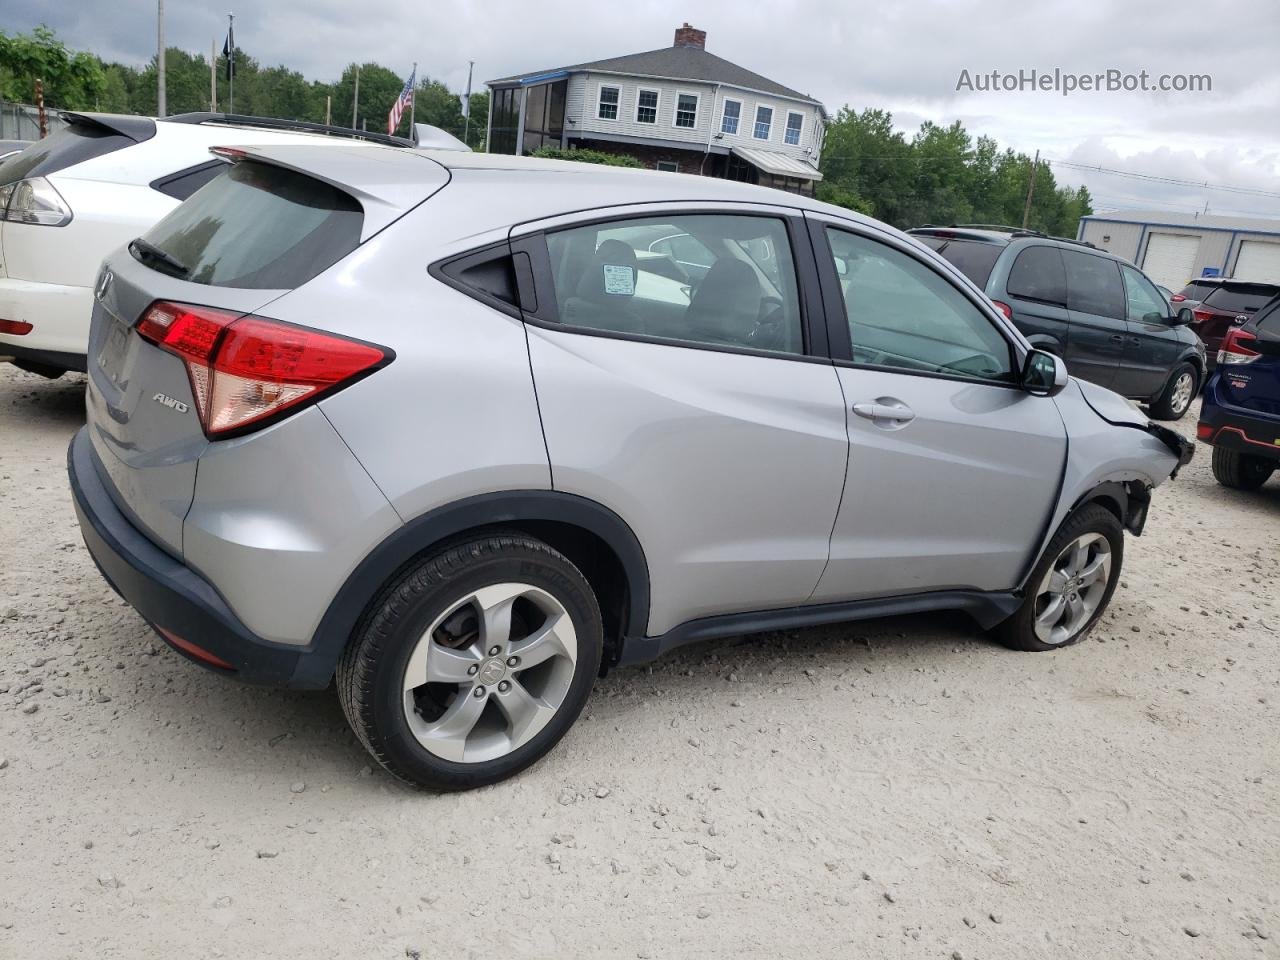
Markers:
(145, 250)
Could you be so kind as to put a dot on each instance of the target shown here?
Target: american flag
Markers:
(404, 100)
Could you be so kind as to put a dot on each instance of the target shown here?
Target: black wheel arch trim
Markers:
(485, 510)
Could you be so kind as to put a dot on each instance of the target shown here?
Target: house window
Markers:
(668, 166)
(647, 106)
(608, 103)
(795, 123)
(764, 120)
(732, 113)
(686, 110)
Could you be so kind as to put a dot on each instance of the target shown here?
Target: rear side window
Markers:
(1038, 275)
(971, 257)
(1196, 290)
(72, 144)
(259, 227)
(1093, 285)
(1240, 299)
(184, 183)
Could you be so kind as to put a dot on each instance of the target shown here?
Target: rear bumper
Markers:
(1257, 436)
(168, 594)
(59, 315)
(47, 362)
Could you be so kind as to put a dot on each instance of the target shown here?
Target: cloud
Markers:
(902, 57)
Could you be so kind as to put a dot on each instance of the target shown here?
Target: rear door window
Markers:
(736, 289)
(973, 258)
(1038, 275)
(257, 227)
(1093, 285)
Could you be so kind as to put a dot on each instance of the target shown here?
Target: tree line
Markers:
(939, 175)
(77, 80)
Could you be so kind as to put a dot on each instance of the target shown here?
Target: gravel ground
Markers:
(891, 789)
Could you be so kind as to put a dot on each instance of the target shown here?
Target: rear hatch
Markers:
(249, 236)
(1231, 304)
(1250, 378)
(25, 193)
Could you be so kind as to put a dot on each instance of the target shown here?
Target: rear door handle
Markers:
(887, 412)
(1117, 338)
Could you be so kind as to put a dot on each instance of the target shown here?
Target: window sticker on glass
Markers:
(619, 280)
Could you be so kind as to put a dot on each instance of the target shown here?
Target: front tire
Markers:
(1175, 399)
(474, 663)
(1240, 471)
(1071, 585)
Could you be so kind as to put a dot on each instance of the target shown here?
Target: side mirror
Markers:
(1044, 374)
(1184, 317)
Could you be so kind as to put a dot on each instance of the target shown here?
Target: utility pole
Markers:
(1031, 189)
(160, 90)
(231, 63)
(40, 115)
(328, 111)
(355, 99)
(466, 103)
(213, 75)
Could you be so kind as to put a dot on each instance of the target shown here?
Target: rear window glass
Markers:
(1269, 317)
(1240, 300)
(257, 226)
(1196, 290)
(72, 144)
(971, 257)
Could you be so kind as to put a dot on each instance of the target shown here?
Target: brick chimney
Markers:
(687, 36)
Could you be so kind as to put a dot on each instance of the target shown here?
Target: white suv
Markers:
(70, 199)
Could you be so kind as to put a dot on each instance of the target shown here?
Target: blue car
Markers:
(1240, 416)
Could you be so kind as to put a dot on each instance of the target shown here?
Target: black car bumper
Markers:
(182, 606)
(1179, 446)
(47, 363)
(1257, 436)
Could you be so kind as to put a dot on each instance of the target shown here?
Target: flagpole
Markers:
(213, 75)
(355, 100)
(413, 96)
(231, 63)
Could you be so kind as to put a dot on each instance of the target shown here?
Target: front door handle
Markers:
(887, 412)
(1117, 338)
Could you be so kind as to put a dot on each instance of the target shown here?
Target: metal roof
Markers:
(674, 63)
(1165, 218)
(778, 164)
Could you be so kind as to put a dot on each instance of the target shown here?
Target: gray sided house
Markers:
(678, 108)
(1173, 248)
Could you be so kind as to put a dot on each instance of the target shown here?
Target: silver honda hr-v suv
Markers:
(460, 432)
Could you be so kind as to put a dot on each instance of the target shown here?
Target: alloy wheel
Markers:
(490, 673)
(1073, 588)
(1182, 392)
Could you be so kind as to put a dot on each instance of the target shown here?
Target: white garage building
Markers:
(1173, 248)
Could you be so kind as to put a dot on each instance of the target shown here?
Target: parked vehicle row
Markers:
(1099, 312)
(1221, 304)
(461, 431)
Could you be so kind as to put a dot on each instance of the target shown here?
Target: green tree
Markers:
(588, 156)
(72, 80)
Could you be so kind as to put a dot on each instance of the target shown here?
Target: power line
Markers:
(1154, 178)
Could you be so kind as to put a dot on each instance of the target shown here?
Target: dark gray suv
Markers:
(1098, 312)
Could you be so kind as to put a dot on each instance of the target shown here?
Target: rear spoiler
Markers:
(133, 128)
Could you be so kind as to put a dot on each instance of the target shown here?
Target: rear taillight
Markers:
(1204, 431)
(34, 201)
(1201, 315)
(247, 370)
(1234, 349)
(1004, 308)
(1177, 298)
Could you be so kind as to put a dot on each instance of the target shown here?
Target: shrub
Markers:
(588, 156)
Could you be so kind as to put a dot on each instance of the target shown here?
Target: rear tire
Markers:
(474, 663)
(1175, 399)
(1071, 585)
(1240, 471)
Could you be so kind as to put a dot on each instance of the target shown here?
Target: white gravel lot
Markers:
(899, 788)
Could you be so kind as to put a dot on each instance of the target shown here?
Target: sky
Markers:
(905, 57)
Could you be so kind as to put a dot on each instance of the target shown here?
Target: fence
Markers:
(21, 121)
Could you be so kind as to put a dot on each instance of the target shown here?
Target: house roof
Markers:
(1165, 218)
(675, 63)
